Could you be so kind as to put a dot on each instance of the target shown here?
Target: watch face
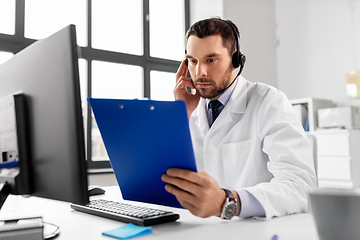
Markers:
(230, 209)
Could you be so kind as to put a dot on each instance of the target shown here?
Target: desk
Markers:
(77, 225)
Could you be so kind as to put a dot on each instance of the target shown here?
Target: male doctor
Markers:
(252, 154)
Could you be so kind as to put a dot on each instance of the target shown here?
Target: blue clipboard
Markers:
(144, 138)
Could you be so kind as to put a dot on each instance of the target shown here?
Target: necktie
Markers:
(214, 105)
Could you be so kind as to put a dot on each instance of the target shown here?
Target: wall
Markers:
(256, 22)
(318, 45)
(304, 48)
(201, 9)
(102, 179)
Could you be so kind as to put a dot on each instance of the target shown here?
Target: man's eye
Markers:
(211, 60)
(193, 61)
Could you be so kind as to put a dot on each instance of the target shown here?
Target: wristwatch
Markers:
(230, 207)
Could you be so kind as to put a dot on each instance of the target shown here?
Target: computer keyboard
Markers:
(141, 216)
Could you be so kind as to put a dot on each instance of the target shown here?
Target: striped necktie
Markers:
(214, 105)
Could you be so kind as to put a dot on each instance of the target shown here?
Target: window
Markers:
(162, 85)
(58, 14)
(112, 80)
(7, 17)
(167, 29)
(117, 26)
(129, 49)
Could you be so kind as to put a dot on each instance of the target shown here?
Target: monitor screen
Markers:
(47, 74)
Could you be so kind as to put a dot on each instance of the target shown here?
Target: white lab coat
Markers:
(256, 144)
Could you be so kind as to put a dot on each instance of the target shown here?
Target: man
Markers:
(253, 157)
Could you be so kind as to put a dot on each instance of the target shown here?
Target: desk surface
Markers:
(77, 225)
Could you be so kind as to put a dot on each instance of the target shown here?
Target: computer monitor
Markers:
(47, 73)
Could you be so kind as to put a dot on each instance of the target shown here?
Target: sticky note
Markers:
(128, 231)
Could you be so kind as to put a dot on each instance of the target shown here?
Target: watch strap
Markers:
(229, 194)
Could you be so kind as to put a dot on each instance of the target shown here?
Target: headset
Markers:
(238, 59)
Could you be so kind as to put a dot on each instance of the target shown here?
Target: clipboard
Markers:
(144, 138)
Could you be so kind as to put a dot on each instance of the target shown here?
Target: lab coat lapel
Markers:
(202, 121)
(232, 110)
(235, 106)
(224, 118)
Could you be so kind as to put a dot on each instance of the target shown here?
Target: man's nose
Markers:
(201, 70)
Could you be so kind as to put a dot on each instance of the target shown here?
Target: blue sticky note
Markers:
(128, 231)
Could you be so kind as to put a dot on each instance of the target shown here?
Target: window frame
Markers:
(17, 42)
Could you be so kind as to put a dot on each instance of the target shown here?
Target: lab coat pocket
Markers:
(239, 164)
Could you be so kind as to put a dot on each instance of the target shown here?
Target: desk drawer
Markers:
(333, 144)
(336, 168)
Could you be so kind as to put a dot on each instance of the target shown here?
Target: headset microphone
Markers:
(223, 90)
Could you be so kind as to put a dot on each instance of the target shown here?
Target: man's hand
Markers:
(196, 191)
(180, 91)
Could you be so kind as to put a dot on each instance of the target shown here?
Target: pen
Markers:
(275, 237)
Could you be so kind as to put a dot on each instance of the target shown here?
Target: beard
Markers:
(212, 91)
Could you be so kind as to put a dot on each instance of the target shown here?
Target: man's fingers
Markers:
(184, 68)
(186, 200)
(179, 183)
(187, 175)
(188, 206)
(182, 71)
(188, 179)
(183, 84)
(184, 80)
(180, 194)
(196, 191)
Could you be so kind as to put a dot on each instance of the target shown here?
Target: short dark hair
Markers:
(215, 26)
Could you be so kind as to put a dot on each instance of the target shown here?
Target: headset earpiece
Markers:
(236, 59)
(242, 60)
(186, 62)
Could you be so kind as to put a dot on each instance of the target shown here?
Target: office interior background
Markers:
(131, 49)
